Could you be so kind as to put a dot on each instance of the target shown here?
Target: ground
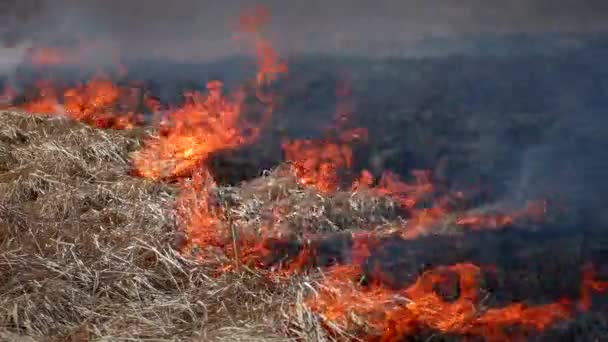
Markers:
(88, 252)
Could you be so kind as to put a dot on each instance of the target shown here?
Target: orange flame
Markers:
(318, 163)
(97, 103)
(47, 101)
(207, 122)
(269, 64)
(200, 215)
(589, 285)
(392, 315)
(534, 211)
(79, 53)
(321, 163)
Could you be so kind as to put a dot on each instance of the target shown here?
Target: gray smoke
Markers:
(201, 30)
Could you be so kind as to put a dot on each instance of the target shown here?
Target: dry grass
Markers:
(85, 251)
(277, 200)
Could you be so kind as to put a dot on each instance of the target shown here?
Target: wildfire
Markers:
(199, 214)
(98, 102)
(324, 163)
(209, 122)
(535, 211)
(391, 315)
(319, 163)
(213, 120)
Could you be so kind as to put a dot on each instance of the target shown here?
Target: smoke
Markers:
(201, 30)
(570, 165)
(11, 57)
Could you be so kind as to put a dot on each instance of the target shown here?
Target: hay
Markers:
(85, 250)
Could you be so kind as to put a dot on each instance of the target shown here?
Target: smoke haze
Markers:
(201, 30)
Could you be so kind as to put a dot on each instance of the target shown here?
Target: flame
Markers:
(391, 315)
(590, 285)
(209, 122)
(318, 163)
(80, 53)
(212, 121)
(97, 102)
(47, 101)
(198, 212)
(407, 194)
(322, 163)
(269, 64)
(534, 211)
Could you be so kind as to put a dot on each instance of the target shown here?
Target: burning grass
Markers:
(90, 253)
(96, 244)
(86, 250)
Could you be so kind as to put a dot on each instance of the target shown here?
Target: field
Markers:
(91, 251)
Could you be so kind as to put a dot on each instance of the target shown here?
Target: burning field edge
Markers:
(86, 251)
(112, 228)
(91, 253)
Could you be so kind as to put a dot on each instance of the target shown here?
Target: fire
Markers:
(199, 214)
(97, 102)
(47, 101)
(269, 63)
(318, 163)
(590, 285)
(79, 53)
(407, 194)
(213, 120)
(534, 211)
(392, 315)
(209, 122)
(323, 163)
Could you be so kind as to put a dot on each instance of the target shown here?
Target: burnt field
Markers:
(432, 199)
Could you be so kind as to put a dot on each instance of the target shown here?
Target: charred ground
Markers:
(88, 252)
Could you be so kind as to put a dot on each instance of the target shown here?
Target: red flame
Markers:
(97, 102)
(393, 315)
(213, 121)
(208, 122)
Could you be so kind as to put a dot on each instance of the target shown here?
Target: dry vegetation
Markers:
(85, 250)
(88, 253)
